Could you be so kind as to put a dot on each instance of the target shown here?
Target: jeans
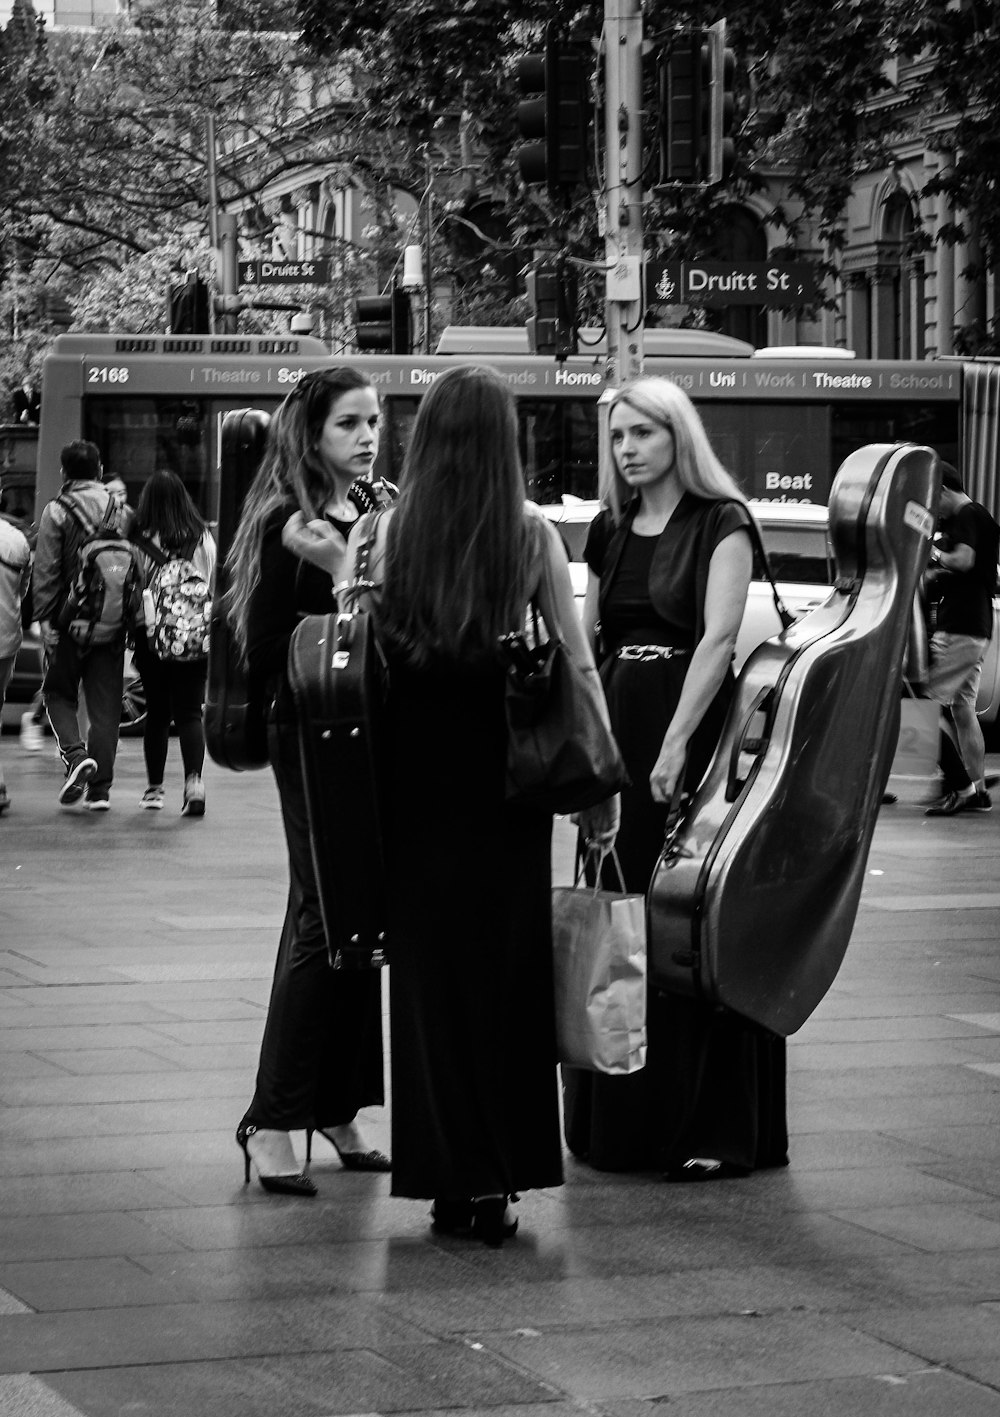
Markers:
(99, 671)
(175, 692)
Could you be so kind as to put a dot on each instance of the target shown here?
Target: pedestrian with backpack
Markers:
(178, 555)
(87, 594)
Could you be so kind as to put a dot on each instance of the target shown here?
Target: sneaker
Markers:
(152, 799)
(78, 774)
(954, 802)
(4, 799)
(32, 734)
(100, 802)
(194, 797)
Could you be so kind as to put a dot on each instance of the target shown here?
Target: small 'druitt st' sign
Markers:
(731, 283)
(285, 272)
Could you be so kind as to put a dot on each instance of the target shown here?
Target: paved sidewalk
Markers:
(139, 1276)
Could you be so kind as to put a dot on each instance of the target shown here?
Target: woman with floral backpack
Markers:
(172, 656)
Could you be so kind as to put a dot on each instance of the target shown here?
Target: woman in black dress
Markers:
(321, 1055)
(670, 561)
(475, 1115)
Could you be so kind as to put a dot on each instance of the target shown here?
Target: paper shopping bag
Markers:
(918, 748)
(599, 943)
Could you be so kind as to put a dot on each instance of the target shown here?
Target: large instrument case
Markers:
(753, 901)
(235, 717)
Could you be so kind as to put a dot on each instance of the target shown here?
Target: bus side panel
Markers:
(235, 719)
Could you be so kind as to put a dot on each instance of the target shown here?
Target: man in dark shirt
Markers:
(967, 559)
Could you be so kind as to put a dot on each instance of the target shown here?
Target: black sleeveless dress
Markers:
(713, 1085)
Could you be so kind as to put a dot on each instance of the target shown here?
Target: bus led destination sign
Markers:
(731, 283)
(285, 272)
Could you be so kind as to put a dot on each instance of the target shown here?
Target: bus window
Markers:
(138, 436)
(775, 451)
(856, 424)
(558, 447)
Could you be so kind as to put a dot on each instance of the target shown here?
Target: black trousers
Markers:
(175, 693)
(321, 1054)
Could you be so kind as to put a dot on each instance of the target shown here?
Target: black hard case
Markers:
(752, 904)
(235, 715)
(337, 677)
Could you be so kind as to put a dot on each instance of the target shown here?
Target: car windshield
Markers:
(798, 553)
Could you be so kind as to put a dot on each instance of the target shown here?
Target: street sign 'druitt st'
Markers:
(315, 272)
(732, 283)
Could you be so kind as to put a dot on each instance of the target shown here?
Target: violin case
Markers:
(235, 710)
(337, 677)
(753, 900)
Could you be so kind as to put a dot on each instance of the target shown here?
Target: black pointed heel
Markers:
(489, 1221)
(350, 1160)
(451, 1217)
(278, 1185)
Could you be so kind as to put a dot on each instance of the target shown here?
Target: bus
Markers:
(781, 424)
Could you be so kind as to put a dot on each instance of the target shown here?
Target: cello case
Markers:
(752, 903)
(235, 717)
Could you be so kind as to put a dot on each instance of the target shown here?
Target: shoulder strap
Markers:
(352, 594)
(149, 548)
(784, 614)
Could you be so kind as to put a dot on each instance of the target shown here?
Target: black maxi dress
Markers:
(713, 1085)
(321, 1053)
(475, 1107)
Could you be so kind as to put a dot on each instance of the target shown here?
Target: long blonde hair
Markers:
(698, 469)
(291, 469)
(459, 548)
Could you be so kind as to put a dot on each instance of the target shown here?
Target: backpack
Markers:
(177, 609)
(105, 596)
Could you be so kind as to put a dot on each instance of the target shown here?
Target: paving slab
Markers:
(138, 1275)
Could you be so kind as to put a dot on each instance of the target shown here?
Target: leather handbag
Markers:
(561, 754)
(599, 969)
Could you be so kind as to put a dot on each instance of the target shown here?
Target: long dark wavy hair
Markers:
(460, 546)
(166, 510)
(291, 469)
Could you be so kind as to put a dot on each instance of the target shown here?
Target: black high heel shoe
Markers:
(280, 1185)
(451, 1217)
(489, 1221)
(350, 1160)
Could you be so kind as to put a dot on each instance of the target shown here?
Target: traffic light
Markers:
(680, 93)
(382, 323)
(553, 117)
(552, 292)
(188, 307)
(719, 149)
(697, 107)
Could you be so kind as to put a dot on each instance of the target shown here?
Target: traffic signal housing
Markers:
(553, 115)
(552, 293)
(382, 323)
(188, 308)
(696, 74)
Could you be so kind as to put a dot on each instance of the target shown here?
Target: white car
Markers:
(798, 548)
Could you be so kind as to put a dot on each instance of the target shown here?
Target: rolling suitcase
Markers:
(235, 711)
(337, 676)
(752, 903)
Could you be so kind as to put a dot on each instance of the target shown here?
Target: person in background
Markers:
(15, 576)
(321, 1054)
(27, 402)
(475, 1115)
(99, 668)
(175, 688)
(965, 580)
(670, 559)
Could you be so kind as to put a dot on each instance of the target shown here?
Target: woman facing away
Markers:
(475, 1115)
(321, 1054)
(670, 560)
(175, 689)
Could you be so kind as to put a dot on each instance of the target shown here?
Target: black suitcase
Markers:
(235, 717)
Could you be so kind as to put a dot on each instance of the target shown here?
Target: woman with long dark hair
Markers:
(474, 1084)
(321, 1054)
(174, 687)
(670, 559)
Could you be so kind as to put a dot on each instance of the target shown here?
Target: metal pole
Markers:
(623, 188)
(213, 200)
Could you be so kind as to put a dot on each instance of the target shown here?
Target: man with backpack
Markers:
(87, 592)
